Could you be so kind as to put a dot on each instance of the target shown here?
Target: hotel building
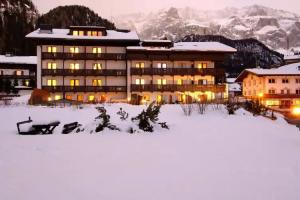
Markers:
(92, 64)
(278, 88)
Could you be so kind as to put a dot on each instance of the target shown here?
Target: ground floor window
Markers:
(79, 97)
(69, 97)
(91, 97)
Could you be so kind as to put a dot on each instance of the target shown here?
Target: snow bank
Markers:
(211, 156)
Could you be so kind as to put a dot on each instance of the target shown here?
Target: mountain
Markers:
(250, 53)
(277, 29)
(65, 16)
(17, 18)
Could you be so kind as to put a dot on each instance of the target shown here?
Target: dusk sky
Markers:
(109, 8)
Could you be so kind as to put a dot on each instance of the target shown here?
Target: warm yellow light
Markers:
(144, 101)
(128, 99)
(296, 111)
(49, 99)
(261, 95)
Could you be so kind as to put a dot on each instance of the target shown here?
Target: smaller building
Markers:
(234, 88)
(17, 71)
(278, 88)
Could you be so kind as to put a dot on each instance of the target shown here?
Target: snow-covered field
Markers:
(213, 157)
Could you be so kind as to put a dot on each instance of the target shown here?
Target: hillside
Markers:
(65, 16)
(251, 53)
(243, 157)
(17, 18)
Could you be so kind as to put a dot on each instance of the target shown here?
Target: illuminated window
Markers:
(27, 83)
(202, 65)
(69, 97)
(79, 97)
(158, 98)
(161, 81)
(91, 98)
(75, 33)
(140, 65)
(139, 81)
(74, 82)
(57, 97)
(19, 73)
(52, 65)
(89, 33)
(51, 82)
(99, 33)
(97, 66)
(97, 82)
(97, 50)
(94, 33)
(74, 50)
(81, 33)
(52, 49)
(74, 66)
(179, 82)
(162, 65)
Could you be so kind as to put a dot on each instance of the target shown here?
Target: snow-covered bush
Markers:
(148, 117)
(104, 121)
(123, 114)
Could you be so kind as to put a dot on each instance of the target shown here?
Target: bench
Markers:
(46, 129)
(36, 129)
(68, 128)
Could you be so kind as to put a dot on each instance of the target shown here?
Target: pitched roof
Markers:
(30, 60)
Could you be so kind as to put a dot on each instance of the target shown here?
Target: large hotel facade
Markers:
(92, 64)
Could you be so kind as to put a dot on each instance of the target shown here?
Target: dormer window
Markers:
(97, 50)
(78, 33)
(74, 50)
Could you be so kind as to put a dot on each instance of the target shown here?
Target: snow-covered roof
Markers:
(286, 70)
(18, 59)
(291, 57)
(64, 34)
(190, 46)
(202, 46)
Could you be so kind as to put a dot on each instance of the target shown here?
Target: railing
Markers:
(84, 56)
(281, 96)
(14, 76)
(83, 72)
(85, 88)
(179, 88)
(177, 71)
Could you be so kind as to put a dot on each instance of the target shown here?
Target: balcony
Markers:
(14, 76)
(178, 88)
(83, 72)
(177, 71)
(84, 56)
(281, 96)
(85, 88)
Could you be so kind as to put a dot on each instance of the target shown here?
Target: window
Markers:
(202, 65)
(158, 98)
(69, 97)
(179, 82)
(202, 82)
(97, 66)
(161, 81)
(97, 82)
(94, 33)
(51, 82)
(19, 73)
(75, 33)
(91, 98)
(74, 66)
(272, 91)
(57, 97)
(74, 50)
(139, 81)
(162, 65)
(285, 80)
(81, 33)
(74, 82)
(297, 80)
(52, 49)
(79, 97)
(140, 65)
(271, 80)
(282, 91)
(27, 83)
(52, 65)
(97, 50)
(1, 72)
(298, 91)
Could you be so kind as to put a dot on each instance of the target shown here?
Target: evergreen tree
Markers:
(1, 85)
(7, 86)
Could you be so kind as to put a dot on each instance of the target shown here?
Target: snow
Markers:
(18, 59)
(64, 34)
(191, 46)
(291, 69)
(233, 86)
(267, 29)
(243, 157)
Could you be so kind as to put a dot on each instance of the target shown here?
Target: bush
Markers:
(123, 114)
(148, 117)
(187, 109)
(104, 121)
(255, 107)
(39, 97)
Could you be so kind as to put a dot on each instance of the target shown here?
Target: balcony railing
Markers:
(177, 71)
(281, 96)
(178, 88)
(84, 56)
(83, 72)
(14, 76)
(85, 88)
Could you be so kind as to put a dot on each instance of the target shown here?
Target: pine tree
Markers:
(7, 86)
